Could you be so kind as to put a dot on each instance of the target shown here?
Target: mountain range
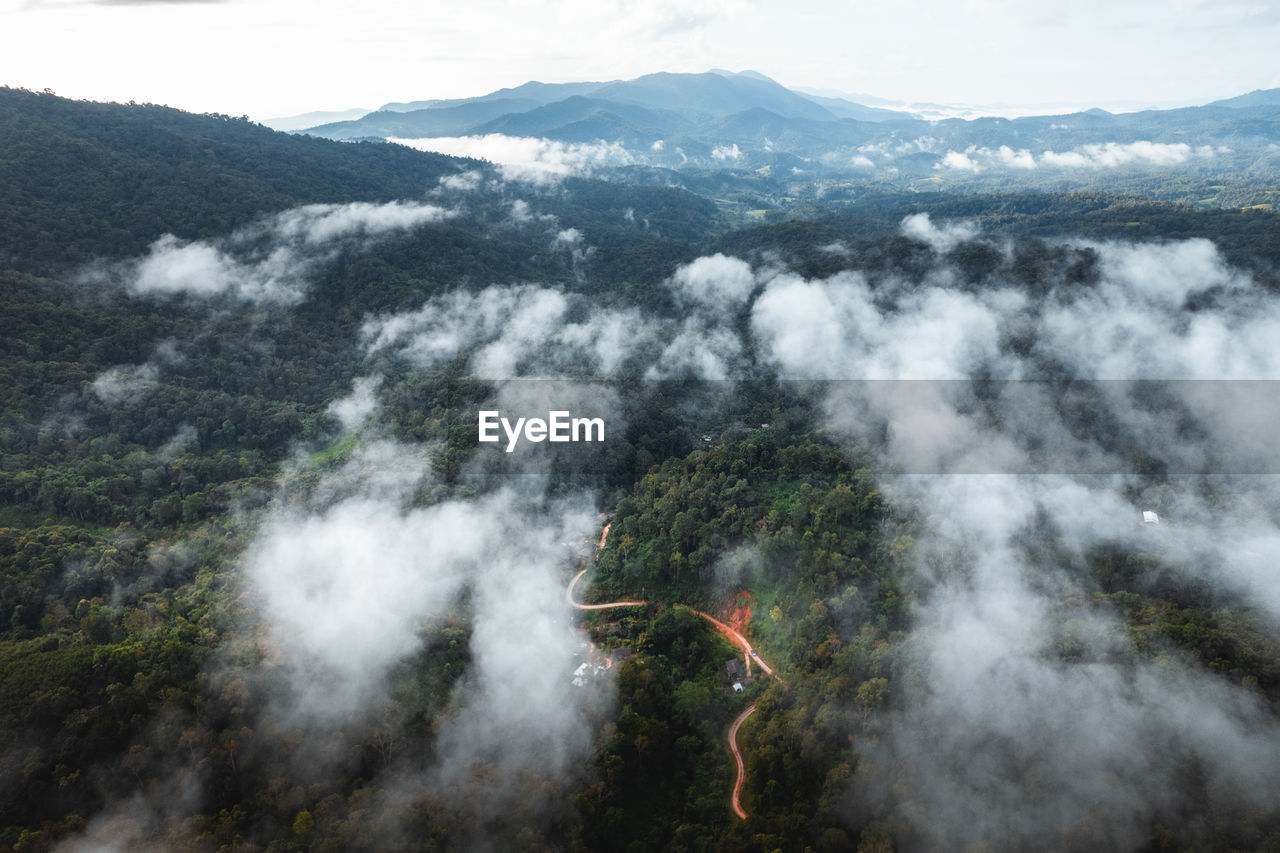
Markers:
(749, 122)
(674, 100)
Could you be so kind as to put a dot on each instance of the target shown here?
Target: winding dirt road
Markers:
(568, 594)
(734, 637)
(735, 800)
(749, 655)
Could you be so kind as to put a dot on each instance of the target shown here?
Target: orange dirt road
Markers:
(729, 632)
(749, 654)
(735, 801)
(736, 638)
(568, 595)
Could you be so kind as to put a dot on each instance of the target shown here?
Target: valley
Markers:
(891, 437)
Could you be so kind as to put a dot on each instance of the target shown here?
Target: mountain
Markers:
(697, 115)
(712, 94)
(533, 91)
(580, 119)
(654, 106)
(454, 120)
(84, 179)
(766, 129)
(1256, 98)
(305, 120)
(842, 108)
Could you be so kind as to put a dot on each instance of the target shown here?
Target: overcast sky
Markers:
(279, 57)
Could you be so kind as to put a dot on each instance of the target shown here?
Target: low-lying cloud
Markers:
(526, 158)
(128, 383)
(349, 574)
(941, 238)
(726, 152)
(997, 734)
(269, 261)
(462, 182)
(508, 332)
(1101, 155)
(359, 553)
(996, 737)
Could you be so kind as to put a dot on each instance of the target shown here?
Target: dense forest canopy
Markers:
(263, 590)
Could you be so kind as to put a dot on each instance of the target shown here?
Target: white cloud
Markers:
(834, 329)
(525, 158)
(462, 181)
(1020, 159)
(270, 260)
(921, 144)
(522, 213)
(983, 679)
(999, 573)
(123, 383)
(527, 330)
(961, 161)
(1131, 324)
(1134, 323)
(726, 152)
(356, 408)
(347, 579)
(1103, 155)
(320, 224)
(510, 332)
(705, 345)
(1109, 155)
(184, 437)
(975, 159)
(698, 349)
(129, 383)
(568, 237)
(716, 281)
(942, 239)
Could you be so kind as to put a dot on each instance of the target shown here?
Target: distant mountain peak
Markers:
(754, 75)
(311, 119)
(1256, 98)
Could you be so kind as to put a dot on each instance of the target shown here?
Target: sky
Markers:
(270, 58)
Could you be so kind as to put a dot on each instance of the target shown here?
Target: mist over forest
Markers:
(937, 477)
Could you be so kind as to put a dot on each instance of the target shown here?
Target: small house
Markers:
(733, 675)
(586, 673)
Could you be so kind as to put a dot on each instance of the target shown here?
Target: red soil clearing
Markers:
(738, 614)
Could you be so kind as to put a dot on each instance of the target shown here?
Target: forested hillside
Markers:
(85, 179)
